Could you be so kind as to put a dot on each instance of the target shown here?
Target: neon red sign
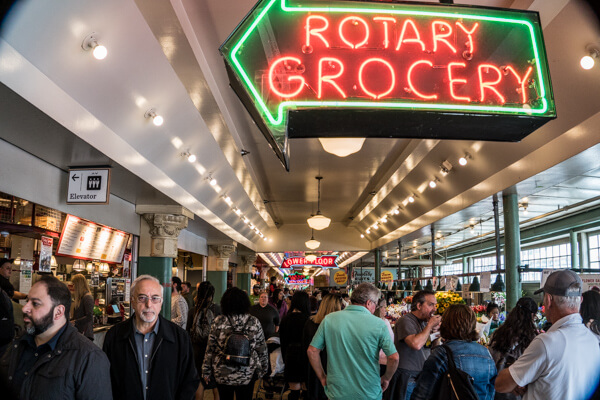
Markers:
(322, 261)
(303, 55)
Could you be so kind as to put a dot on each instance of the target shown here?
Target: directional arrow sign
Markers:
(371, 69)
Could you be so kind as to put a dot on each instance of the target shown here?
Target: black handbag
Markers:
(456, 384)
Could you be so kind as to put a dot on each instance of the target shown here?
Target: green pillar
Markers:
(574, 248)
(377, 254)
(219, 281)
(243, 282)
(584, 251)
(465, 265)
(161, 269)
(512, 247)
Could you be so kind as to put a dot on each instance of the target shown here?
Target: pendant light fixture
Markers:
(318, 221)
(310, 257)
(312, 243)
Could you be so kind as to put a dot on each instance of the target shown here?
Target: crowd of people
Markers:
(332, 347)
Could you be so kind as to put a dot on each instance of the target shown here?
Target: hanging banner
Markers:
(46, 254)
(486, 281)
(25, 278)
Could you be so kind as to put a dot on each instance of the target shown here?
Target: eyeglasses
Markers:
(144, 299)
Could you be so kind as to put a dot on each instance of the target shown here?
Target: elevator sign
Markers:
(88, 186)
(292, 56)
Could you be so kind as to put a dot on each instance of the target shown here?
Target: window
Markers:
(594, 246)
(451, 269)
(556, 256)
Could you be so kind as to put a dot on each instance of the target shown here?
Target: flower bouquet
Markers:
(396, 311)
(446, 299)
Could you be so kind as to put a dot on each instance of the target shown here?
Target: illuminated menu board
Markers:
(87, 240)
(297, 64)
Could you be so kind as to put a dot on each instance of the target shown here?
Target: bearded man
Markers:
(52, 359)
(150, 357)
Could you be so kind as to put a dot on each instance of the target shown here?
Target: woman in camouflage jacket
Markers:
(235, 378)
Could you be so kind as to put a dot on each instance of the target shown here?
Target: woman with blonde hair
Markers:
(330, 303)
(82, 311)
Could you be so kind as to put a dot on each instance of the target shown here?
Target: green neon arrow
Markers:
(252, 41)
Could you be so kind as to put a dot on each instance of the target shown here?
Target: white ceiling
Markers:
(164, 55)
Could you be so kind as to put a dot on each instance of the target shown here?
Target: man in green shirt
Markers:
(353, 338)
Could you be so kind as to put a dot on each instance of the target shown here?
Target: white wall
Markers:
(26, 176)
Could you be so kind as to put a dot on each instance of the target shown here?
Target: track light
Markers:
(588, 61)
(189, 156)
(227, 199)
(91, 43)
(362, 236)
(368, 231)
(433, 183)
(212, 181)
(445, 168)
(465, 159)
(411, 199)
(396, 211)
(384, 219)
(157, 120)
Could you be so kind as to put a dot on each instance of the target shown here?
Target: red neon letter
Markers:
(469, 34)
(362, 84)
(437, 37)
(329, 78)
(453, 81)
(412, 87)
(385, 20)
(489, 85)
(316, 31)
(289, 78)
(416, 39)
(354, 20)
(521, 81)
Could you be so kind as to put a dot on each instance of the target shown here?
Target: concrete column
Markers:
(584, 250)
(512, 247)
(158, 244)
(574, 250)
(244, 272)
(217, 268)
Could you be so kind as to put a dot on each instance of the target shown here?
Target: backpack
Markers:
(7, 321)
(202, 324)
(456, 384)
(237, 346)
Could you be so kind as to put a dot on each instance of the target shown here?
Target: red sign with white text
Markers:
(322, 261)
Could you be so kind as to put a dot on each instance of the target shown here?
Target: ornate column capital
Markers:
(224, 251)
(164, 231)
(248, 260)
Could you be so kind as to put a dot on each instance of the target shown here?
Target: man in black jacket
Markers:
(150, 357)
(52, 360)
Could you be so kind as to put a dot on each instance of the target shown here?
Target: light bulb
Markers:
(396, 211)
(100, 52)
(587, 62)
(432, 184)
(384, 219)
(213, 182)
(462, 161)
(411, 199)
(368, 231)
(157, 120)
(192, 158)
(362, 236)
(375, 226)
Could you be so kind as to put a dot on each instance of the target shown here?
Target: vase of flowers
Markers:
(446, 299)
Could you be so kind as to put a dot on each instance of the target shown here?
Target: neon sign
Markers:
(297, 279)
(289, 58)
(322, 261)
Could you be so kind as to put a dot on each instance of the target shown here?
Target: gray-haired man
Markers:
(353, 338)
(563, 363)
(150, 357)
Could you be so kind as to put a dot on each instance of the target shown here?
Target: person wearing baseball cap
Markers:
(563, 363)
